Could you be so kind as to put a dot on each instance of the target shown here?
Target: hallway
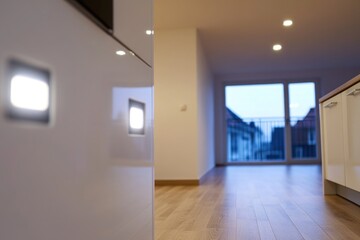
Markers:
(255, 202)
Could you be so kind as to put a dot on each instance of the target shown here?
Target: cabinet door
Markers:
(352, 123)
(333, 147)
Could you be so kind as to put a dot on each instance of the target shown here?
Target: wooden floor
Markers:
(255, 202)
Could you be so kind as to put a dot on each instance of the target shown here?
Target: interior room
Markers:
(265, 66)
(179, 119)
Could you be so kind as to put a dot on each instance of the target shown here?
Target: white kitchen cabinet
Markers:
(82, 176)
(351, 98)
(132, 18)
(333, 139)
(340, 139)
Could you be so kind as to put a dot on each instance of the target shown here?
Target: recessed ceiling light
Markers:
(277, 47)
(149, 32)
(287, 23)
(120, 53)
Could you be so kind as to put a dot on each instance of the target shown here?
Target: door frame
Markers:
(288, 154)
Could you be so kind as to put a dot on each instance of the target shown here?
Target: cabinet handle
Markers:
(353, 92)
(330, 105)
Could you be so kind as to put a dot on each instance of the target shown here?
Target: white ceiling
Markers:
(238, 34)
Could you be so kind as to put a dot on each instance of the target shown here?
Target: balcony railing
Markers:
(257, 140)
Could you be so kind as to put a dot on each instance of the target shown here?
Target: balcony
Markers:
(263, 139)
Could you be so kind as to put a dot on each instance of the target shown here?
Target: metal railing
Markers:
(263, 139)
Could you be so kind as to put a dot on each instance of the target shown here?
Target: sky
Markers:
(267, 100)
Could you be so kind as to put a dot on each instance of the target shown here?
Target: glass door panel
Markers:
(255, 121)
(303, 120)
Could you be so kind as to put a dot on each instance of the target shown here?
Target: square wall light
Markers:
(28, 93)
(136, 117)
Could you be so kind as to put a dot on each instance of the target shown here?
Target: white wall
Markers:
(65, 180)
(205, 91)
(327, 80)
(175, 136)
(183, 143)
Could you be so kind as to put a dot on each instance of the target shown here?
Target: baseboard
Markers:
(183, 182)
(203, 177)
(187, 182)
(348, 193)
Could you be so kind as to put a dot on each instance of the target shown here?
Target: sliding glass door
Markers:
(303, 120)
(268, 123)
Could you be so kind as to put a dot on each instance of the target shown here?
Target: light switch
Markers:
(183, 108)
